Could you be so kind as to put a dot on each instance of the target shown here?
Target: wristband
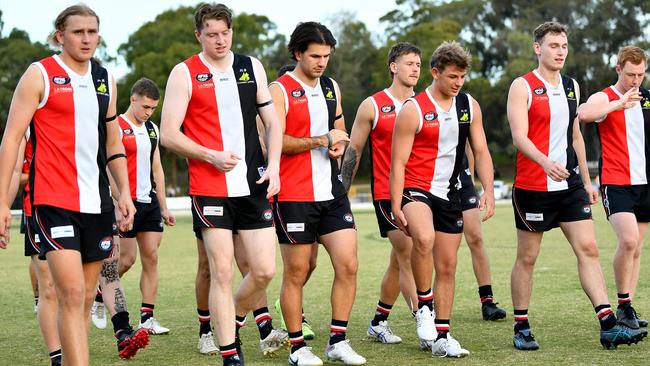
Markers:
(116, 156)
(329, 140)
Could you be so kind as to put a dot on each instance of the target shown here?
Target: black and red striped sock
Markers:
(228, 351)
(442, 326)
(381, 313)
(98, 295)
(240, 322)
(425, 298)
(485, 293)
(146, 312)
(204, 321)
(521, 319)
(624, 300)
(264, 321)
(338, 330)
(297, 340)
(605, 316)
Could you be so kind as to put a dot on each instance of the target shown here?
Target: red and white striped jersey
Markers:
(309, 176)
(439, 144)
(551, 113)
(221, 116)
(386, 108)
(27, 162)
(69, 139)
(140, 143)
(624, 139)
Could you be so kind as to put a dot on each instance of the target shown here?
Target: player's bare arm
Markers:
(598, 105)
(177, 98)
(27, 95)
(482, 160)
(406, 126)
(273, 131)
(338, 147)
(361, 129)
(159, 180)
(518, 120)
(18, 176)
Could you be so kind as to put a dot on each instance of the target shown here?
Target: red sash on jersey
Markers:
(381, 138)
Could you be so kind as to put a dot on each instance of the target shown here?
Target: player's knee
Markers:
(348, 268)
(71, 296)
(46, 290)
(474, 239)
(628, 244)
(262, 276)
(222, 276)
(150, 260)
(296, 273)
(527, 261)
(423, 242)
(590, 249)
(446, 268)
(126, 262)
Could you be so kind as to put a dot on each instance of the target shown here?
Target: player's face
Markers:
(450, 80)
(552, 51)
(215, 38)
(631, 75)
(80, 37)
(406, 69)
(313, 61)
(143, 107)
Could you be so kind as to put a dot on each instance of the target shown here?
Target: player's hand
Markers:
(486, 203)
(225, 161)
(5, 224)
(630, 98)
(126, 213)
(272, 174)
(168, 217)
(400, 220)
(555, 170)
(338, 136)
(337, 150)
(592, 193)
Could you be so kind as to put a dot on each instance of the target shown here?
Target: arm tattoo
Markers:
(109, 271)
(348, 167)
(120, 300)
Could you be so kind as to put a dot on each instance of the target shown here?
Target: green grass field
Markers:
(562, 317)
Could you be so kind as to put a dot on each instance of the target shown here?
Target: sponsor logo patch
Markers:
(297, 93)
(539, 91)
(213, 210)
(430, 116)
(534, 216)
(62, 232)
(387, 108)
(128, 131)
(202, 78)
(268, 215)
(295, 227)
(60, 80)
(37, 239)
(106, 244)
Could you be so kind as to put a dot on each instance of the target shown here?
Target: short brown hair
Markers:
(548, 27)
(60, 21)
(400, 49)
(632, 54)
(207, 11)
(146, 88)
(450, 53)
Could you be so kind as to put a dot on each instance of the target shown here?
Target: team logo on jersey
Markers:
(106, 244)
(244, 77)
(645, 104)
(430, 116)
(102, 88)
(61, 80)
(297, 93)
(152, 133)
(464, 117)
(268, 215)
(571, 95)
(348, 217)
(128, 131)
(387, 108)
(329, 94)
(539, 91)
(202, 78)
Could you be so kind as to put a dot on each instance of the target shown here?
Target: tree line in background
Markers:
(498, 33)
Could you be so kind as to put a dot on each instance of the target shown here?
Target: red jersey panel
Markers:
(386, 108)
(623, 143)
(221, 116)
(439, 144)
(69, 139)
(140, 142)
(551, 112)
(309, 176)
